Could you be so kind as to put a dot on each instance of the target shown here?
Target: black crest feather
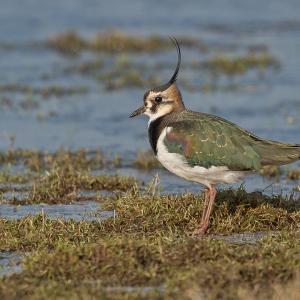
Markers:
(175, 75)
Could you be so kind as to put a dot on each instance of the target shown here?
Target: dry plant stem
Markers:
(153, 186)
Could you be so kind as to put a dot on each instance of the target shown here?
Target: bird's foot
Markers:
(195, 230)
(199, 231)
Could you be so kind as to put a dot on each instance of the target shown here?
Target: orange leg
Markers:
(210, 195)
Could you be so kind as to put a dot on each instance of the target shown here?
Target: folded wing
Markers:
(212, 141)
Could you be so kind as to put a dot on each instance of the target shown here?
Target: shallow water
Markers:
(10, 262)
(87, 210)
(246, 237)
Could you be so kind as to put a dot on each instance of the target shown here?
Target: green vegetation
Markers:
(148, 245)
(133, 74)
(271, 171)
(147, 250)
(278, 173)
(146, 160)
(119, 66)
(58, 177)
(45, 91)
(175, 268)
(240, 64)
(115, 41)
(125, 72)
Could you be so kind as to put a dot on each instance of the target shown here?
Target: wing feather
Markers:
(205, 143)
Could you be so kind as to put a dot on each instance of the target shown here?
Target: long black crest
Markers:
(175, 75)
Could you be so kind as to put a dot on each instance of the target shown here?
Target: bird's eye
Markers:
(158, 99)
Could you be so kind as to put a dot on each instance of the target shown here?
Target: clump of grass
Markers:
(60, 188)
(132, 74)
(82, 159)
(112, 41)
(29, 102)
(292, 174)
(57, 177)
(69, 42)
(5, 101)
(146, 160)
(46, 91)
(271, 172)
(115, 41)
(15, 156)
(63, 188)
(40, 232)
(278, 172)
(235, 211)
(240, 64)
(236, 197)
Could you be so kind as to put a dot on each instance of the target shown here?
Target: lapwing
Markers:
(204, 148)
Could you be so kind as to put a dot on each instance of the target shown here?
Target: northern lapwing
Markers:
(204, 148)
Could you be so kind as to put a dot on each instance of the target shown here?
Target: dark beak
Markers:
(138, 111)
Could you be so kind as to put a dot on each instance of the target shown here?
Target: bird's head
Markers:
(163, 99)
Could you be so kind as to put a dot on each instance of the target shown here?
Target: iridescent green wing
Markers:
(209, 141)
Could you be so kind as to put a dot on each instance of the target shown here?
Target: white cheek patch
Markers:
(160, 111)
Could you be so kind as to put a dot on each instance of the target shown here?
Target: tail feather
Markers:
(276, 154)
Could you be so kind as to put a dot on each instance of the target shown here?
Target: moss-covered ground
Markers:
(146, 251)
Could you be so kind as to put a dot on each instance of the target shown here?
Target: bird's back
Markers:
(208, 140)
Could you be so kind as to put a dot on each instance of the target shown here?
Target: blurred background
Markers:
(72, 71)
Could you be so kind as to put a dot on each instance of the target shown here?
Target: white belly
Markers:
(176, 164)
